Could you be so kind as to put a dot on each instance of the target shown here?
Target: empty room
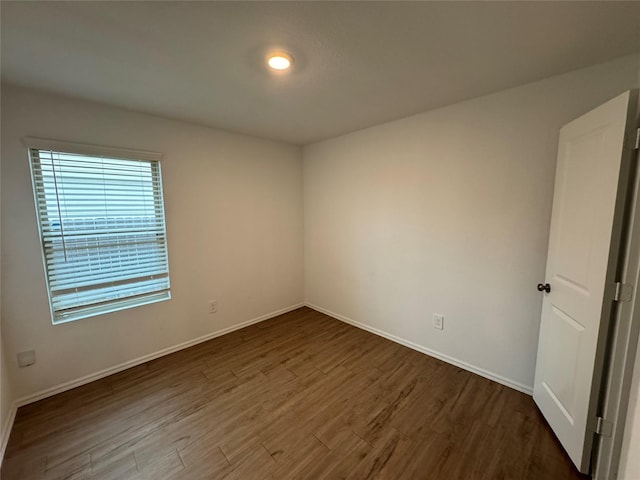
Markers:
(319, 240)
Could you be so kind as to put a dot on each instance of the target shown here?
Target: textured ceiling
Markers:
(356, 63)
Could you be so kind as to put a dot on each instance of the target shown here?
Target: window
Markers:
(102, 228)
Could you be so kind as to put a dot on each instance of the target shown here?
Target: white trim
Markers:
(146, 358)
(6, 429)
(528, 389)
(87, 149)
(611, 450)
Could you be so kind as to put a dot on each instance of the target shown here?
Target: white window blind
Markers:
(103, 232)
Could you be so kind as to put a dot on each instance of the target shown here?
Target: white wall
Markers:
(234, 224)
(448, 211)
(6, 400)
(6, 391)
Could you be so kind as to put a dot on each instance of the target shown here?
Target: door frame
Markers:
(624, 329)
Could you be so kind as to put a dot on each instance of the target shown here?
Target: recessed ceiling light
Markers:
(280, 61)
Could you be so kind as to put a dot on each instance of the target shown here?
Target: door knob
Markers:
(544, 287)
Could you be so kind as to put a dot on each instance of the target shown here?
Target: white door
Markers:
(586, 224)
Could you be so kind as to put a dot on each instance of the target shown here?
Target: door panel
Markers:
(583, 246)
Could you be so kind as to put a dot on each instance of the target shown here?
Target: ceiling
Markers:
(357, 64)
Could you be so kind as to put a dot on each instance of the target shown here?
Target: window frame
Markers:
(96, 309)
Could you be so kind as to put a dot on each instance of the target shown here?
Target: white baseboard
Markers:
(145, 358)
(427, 351)
(4, 434)
(6, 429)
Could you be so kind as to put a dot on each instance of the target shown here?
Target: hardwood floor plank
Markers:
(253, 465)
(23, 467)
(300, 396)
(123, 467)
(428, 458)
(168, 466)
(75, 468)
(296, 462)
(389, 456)
(342, 460)
(203, 460)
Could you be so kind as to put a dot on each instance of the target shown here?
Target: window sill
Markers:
(93, 311)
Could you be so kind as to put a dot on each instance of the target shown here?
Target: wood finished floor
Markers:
(300, 396)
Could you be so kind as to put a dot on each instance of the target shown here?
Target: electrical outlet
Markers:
(438, 321)
(27, 358)
(213, 306)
